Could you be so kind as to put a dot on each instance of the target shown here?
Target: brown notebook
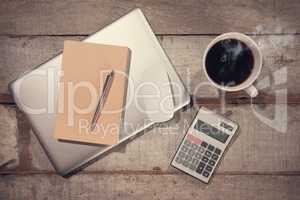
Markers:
(84, 69)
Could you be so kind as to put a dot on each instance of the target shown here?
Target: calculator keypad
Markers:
(197, 155)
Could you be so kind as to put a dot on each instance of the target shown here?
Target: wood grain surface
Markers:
(262, 163)
(281, 58)
(83, 17)
(252, 152)
(165, 187)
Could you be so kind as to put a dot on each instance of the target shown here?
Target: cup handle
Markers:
(251, 91)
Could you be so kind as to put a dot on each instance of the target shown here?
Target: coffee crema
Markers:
(229, 62)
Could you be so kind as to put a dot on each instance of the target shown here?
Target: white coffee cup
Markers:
(246, 85)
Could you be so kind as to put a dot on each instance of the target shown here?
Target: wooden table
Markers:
(264, 161)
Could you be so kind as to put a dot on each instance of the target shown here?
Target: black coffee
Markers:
(229, 62)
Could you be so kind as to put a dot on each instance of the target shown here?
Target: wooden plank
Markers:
(281, 54)
(6, 99)
(230, 98)
(28, 52)
(259, 148)
(164, 187)
(180, 17)
(9, 157)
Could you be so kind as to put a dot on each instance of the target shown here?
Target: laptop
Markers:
(35, 92)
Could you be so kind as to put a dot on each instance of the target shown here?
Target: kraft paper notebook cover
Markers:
(84, 69)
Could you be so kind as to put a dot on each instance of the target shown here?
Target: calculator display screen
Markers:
(211, 131)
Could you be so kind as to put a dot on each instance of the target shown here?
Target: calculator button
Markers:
(192, 167)
(181, 154)
(195, 161)
(200, 167)
(208, 153)
(193, 139)
(187, 143)
(194, 146)
(198, 156)
(178, 160)
(204, 159)
(211, 162)
(208, 168)
(218, 151)
(185, 163)
(191, 152)
(184, 148)
(204, 144)
(215, 157)
(188, 158)
(202, 150)
(205, 174)
(211, 147)
(199, 148)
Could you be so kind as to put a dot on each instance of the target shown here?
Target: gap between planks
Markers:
(150, 172)
(158, 35)
(230, 98)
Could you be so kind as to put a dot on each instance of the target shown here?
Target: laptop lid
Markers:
(35, 93)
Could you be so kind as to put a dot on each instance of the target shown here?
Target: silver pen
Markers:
(105, 90)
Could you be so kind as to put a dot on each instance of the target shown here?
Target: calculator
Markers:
(204, 144)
